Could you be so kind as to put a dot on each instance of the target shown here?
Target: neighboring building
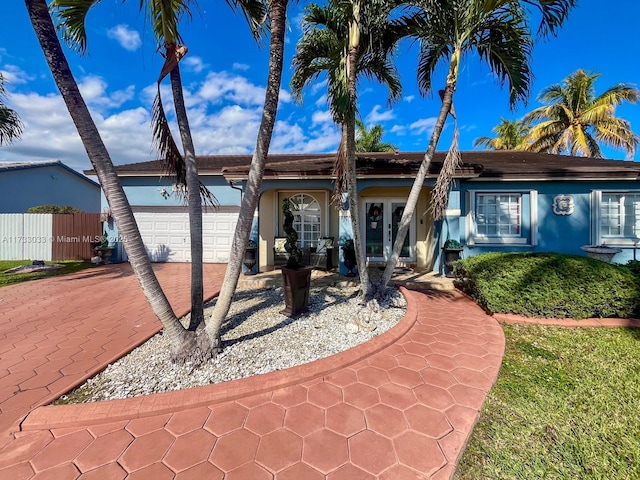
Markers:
(29, 184)
(500, 201)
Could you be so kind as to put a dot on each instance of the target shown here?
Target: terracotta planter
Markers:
(451, 256)
(296, 284)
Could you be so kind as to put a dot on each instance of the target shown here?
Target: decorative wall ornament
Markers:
(563, 204)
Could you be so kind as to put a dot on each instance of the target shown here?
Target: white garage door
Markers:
(166, 235)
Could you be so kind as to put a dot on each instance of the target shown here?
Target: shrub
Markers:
(549, 285)
(53, 209)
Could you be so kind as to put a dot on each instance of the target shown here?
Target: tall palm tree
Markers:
(510, 135)
(165, 17)
(10, 124)
(277, 17)
(498, 31)
(181, 339)
(370, 140)
(575, 121)
(345, 40)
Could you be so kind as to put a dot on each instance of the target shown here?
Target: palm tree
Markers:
(345, 40)
(576, 122)
(370, 140)
(510, 135)
(499, 32)
(182, 340)
(277, 17)
(10, 124)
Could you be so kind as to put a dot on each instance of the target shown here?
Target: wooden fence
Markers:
(42, 236)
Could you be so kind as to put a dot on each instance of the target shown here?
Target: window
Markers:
(502, 218)
(306, 219)
(619, 219)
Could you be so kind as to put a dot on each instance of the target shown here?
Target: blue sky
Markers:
(224, 75)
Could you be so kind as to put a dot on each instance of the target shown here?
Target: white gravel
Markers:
(256, 338)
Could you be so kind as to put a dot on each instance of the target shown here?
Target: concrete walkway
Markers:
(401, 406)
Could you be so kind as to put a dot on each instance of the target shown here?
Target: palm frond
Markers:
(70, 17)
(11, 126)
(440, 194)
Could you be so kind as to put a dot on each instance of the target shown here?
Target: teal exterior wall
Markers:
(32, 186)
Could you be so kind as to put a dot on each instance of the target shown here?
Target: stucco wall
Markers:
(22, 189)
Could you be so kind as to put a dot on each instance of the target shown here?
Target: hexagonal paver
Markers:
(324, 395)
(290, 396)
(61, 450)
(146, 450)
(234, 450)
(401, 472)
(157, 471)
(419, 452)
(142, 426)
(437, 377)
(304, 419)
(103, 450)
(423, 338)
(468, 396)
(248, 471)
(265, 418)
(226, 418)
(300, 471)
(373, 376)
(204, 470)
(462, 418)
(371, 452)
(255, 400)
(383, 361)
(433, 396)
(405, 377)
(414, 362)
(397, 396)
(385, 420)
(443, 362)
(279, 450)
(111, 471)
(325, 450)
(428, 421)
(472, 378)
(350, 472)
(342, 378)
(187, 421)
(345, 419)
(361, 396)
(189, 449)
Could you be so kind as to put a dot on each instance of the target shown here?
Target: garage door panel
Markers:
(166, 235)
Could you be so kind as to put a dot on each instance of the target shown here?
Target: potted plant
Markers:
(349, 257)
(249, 260)
(452, 249)
(296, 280)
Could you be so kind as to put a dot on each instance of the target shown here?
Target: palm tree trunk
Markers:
(194, 201)
(414, 194)
(278, 16)
(99, 157)
(350, 148)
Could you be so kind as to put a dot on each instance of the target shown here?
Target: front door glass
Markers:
(397, 209)
(374, 230)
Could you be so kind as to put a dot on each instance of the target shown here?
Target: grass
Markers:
(565, 406)
(70, 266)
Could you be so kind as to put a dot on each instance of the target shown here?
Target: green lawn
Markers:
(70, 266)
(566, 406)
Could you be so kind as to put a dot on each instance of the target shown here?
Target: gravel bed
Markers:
(256, 339)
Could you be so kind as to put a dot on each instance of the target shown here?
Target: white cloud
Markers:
(376, 116)
(243, 67)
(322, 100)
(321, 117)
(193, 64)
(318, 86)
(94, 92)
(14, 74)
(220, 86)
(423, 125)
(409, 98)
(399, 129)
(127, 38)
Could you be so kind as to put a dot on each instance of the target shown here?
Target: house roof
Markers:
(11, 166)
(476, 165)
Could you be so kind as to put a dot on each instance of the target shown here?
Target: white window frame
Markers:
(321, 196)
(474, 238)
(597, 236)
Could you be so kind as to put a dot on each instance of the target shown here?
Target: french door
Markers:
(380, 228)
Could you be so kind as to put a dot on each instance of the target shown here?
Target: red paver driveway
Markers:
(57, 332)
